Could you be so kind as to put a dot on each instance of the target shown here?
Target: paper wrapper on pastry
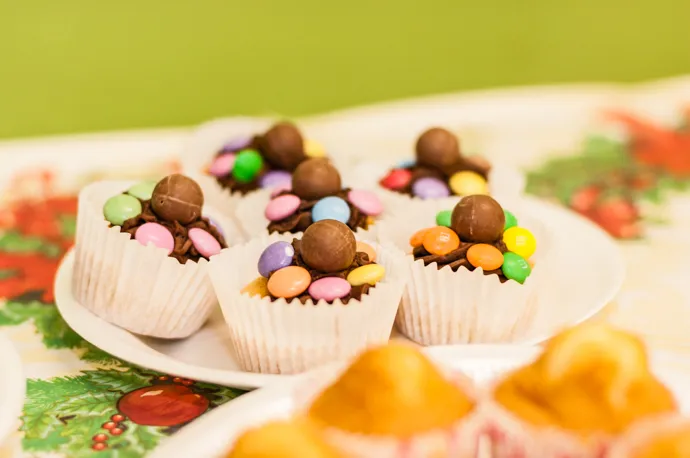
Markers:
(139, 288)
(442, 307)
(286, 337)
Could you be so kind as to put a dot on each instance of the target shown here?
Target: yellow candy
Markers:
(314, 149)
(371, 273)
(468, 183)
(258, 287)
(520, 241)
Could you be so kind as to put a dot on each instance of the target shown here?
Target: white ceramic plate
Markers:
(592, 272)
(12, 388)
(213, 434)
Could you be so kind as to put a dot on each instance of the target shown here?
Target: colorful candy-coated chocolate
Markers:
(276, 256)
(329, 289)
(313, 148)
(204, 242)
(488, 257)
(520, 241)
(440, 240)
(366, 201)
(281, 188)
(396, 179)
(331, 208)
(467, 183)
(142, 190)
(247, 165)
(276, 178)
(289, 282)
(430, 188)
(222, 165)
(369, 274)
(443, 218)
(258, 287)
(511, 220)
(368, 249)
(120, 208)
(155, 234)
(281, 207)
(515, 267)
(406, 164)
(417, 238)
(237, 143)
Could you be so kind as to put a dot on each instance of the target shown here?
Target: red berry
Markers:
(99, 446)
(117, 418)
(584, 199)
(188, 382)
(396, 179)
(163, 378)
(100, 438)
(116, 431)
(109, 425)
(177, 380)
(162, 405)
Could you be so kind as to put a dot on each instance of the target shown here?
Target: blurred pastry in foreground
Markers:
(660, 438)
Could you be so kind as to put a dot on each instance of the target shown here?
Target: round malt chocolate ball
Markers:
(478, 219)
(438, 148)
(283, 146)
(316, 178)
(177, 198)
(328, 246)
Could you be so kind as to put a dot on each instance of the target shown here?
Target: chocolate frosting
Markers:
(184, 248)
(301, 219)
(458, 258)
(361, 259)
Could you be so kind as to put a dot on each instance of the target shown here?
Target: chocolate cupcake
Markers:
(156, 238)
(235, 157)
(471, 276)
(319, 298)
(316, 194)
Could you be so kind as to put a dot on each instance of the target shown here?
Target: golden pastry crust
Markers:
(589, 379)
(283, 439)
(391, 390)
(670, 444)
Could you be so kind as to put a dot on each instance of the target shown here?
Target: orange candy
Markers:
(485, 256)
(289, 282)
(417, 238)
(440, 240)
(368, 249)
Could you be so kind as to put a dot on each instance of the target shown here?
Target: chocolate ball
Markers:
(315, 179)
(177, 198)
(438, 148)
(328, 246)
(283, 146)
(478, 219)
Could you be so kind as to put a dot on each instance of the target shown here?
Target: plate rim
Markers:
(13, 383)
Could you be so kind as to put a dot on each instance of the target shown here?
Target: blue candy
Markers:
(406, 164)
(276, 256)
(331, 208)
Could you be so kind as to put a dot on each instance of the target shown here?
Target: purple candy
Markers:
(276, 178)
(236, 144)
(430, 188)
(276, 256)
(216, 225)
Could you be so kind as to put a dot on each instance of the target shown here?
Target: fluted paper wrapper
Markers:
(442, 307)
(460, 440)
(139, 288)
(644, 432)
(286, 337)
(253, 222)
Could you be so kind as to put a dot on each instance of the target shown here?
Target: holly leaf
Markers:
(15, 242)
(39, 426)
(88, 404)
(218, 395)
(139, 439)
(115, 380)
(95, 355)
(48, 443)
(55, 331)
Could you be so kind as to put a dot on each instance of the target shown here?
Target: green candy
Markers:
(143, 190)
(247, 165)
(511, 220)
(120, 208)
(443, 218)
(515, 267)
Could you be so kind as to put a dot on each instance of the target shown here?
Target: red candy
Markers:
(396, 179)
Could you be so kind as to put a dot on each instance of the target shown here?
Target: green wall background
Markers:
(84, 65)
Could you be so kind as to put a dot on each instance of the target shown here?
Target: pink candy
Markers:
(329, 289)
(222, 165)
(366, 201)
(155, 234)
(205, 243)
(281, 207)
(280, 188)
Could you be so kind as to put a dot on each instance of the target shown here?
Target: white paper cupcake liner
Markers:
(442, 307)
(139, 288)
(282, 337)
(643, 432)
(253, 222)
